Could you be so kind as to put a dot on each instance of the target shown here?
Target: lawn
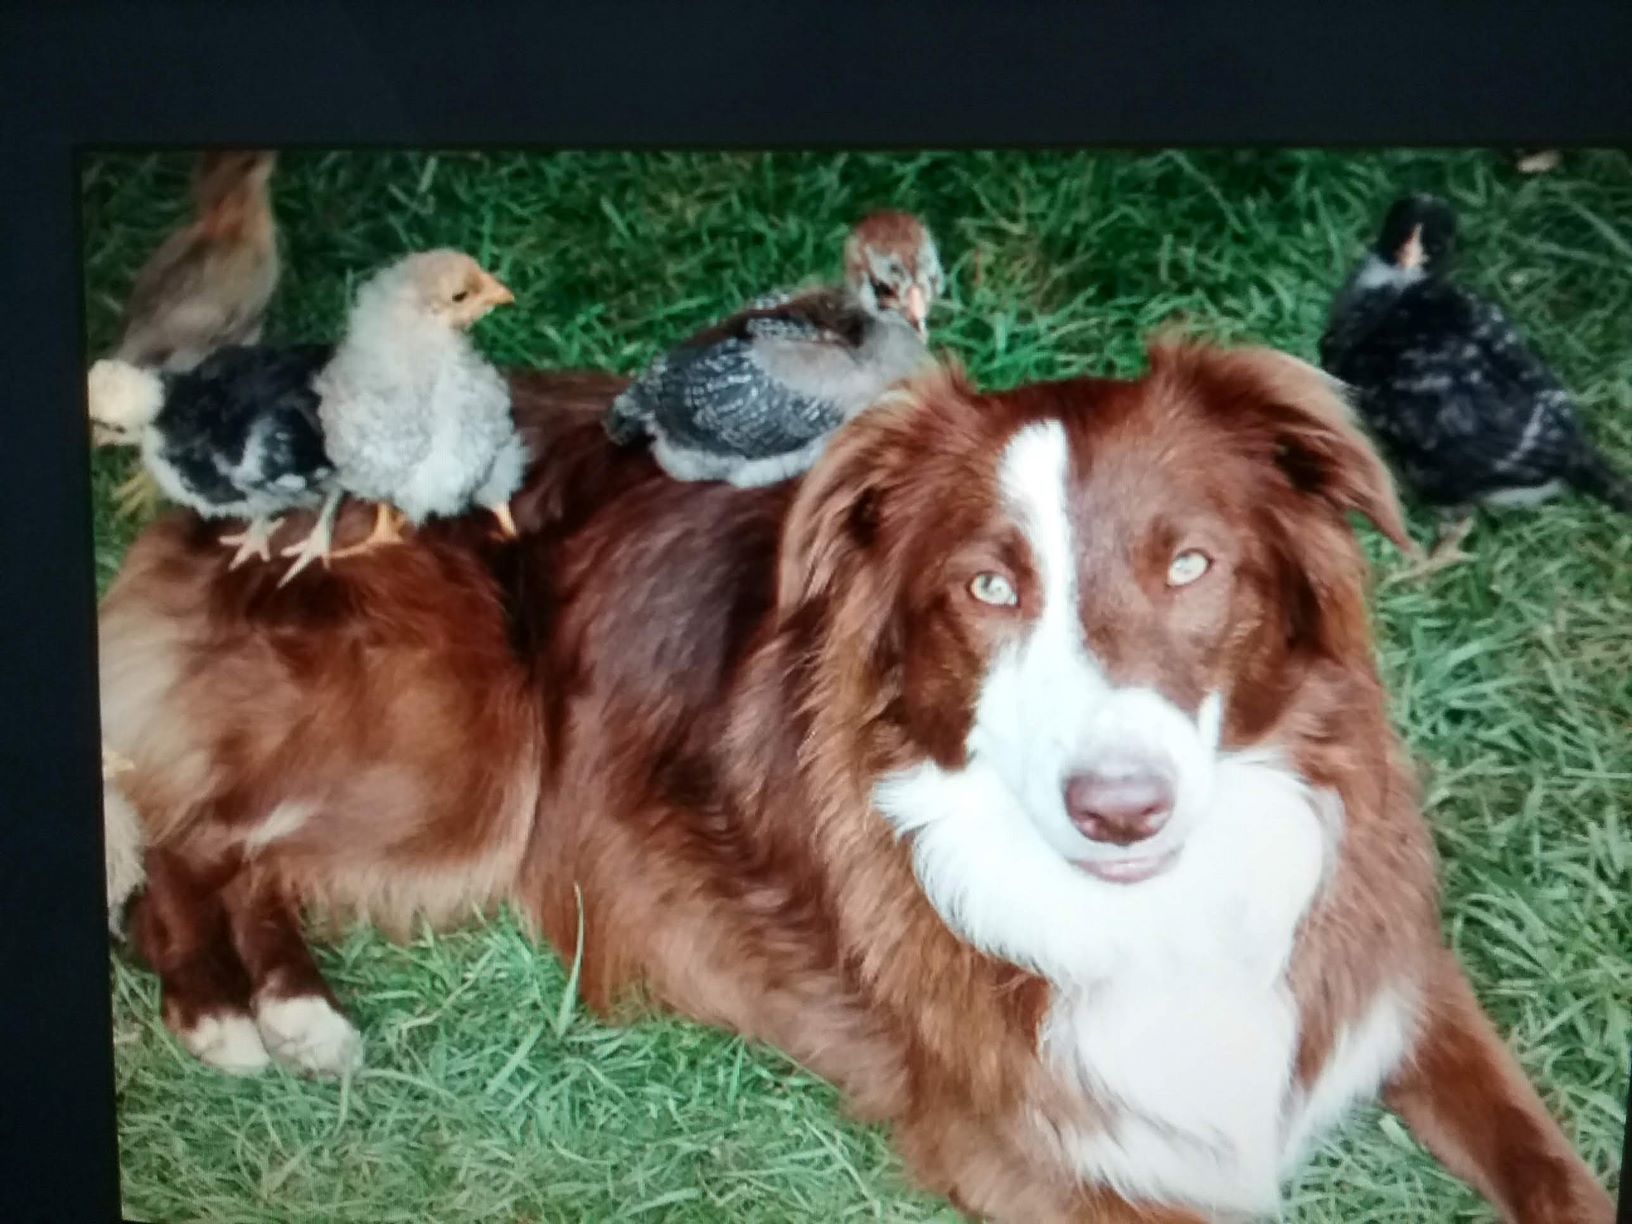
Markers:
(488, 1096)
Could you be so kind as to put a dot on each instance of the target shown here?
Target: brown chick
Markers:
(208, 284)
(891, 264)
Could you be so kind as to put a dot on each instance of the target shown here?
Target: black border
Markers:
(629, 74)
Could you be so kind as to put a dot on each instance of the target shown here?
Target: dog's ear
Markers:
(834, 515)
(1304, 416)
(827, 517)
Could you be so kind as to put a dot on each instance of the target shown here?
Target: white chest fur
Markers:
(1198, 1077)
(1170, 1004)
(1192, 1039)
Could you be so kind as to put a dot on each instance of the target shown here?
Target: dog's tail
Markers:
(1596, 478)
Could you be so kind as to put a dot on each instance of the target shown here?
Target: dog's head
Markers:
(1078, 596)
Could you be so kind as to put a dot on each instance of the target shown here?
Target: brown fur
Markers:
(655, 720)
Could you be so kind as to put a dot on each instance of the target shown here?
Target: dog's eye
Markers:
(1187, 567)
(994, 589)
(883, 292)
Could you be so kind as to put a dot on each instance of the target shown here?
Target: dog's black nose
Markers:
(1121, 808)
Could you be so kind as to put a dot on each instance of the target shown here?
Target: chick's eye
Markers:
(994, 589)
(461, 295)
(1187, 567)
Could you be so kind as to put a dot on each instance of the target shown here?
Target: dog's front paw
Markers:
(308, 1035)
(227, 1041)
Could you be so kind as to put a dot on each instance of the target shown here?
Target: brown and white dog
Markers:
(1024, 770)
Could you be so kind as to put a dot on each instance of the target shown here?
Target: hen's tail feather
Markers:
(1596, 478)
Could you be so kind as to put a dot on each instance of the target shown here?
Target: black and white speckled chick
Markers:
(1468, 412)
(753, 400)
(237, 436)
(414, 418)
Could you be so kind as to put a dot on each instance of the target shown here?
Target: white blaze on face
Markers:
(1048, 710)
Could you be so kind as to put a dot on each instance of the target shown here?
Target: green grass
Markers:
(484, 1098)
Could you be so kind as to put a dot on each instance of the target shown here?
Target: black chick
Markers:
(1464, 407)
(753, 400)
(237, 436)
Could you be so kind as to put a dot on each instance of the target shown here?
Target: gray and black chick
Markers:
(1468, 412)
(236, 436)
(752, 401)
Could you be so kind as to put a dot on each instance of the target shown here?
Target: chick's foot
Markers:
(254, 540)
(507, 522)
(315, 547)
(1446, 552)
(387, 531)
(139, 496)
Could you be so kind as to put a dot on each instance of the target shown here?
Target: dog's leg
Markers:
(988, 1177)
(298, 1016)
(1467, 1099)
(1097, 1208)
(179, 927)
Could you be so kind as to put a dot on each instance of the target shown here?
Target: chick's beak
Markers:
(497, 293)
(1411, 254)
(917, 309)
